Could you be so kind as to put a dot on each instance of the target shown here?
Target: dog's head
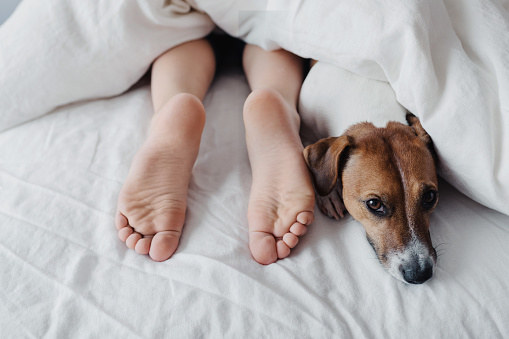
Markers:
(389, 184)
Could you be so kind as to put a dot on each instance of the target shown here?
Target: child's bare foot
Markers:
(282, 197)
(152, 202)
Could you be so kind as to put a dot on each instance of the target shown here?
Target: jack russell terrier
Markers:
(385, 177)
(387, 180)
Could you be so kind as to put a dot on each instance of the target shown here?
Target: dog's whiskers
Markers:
(442, 243)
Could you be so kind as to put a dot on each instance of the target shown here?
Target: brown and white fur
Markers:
(387, 180)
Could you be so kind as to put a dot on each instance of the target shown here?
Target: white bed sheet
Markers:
(65, 274)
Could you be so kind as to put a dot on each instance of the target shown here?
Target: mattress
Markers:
(65, 274)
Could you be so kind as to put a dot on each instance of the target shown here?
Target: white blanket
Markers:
(64, 273)
(446, 62)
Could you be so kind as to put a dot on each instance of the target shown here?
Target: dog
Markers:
(386, 178)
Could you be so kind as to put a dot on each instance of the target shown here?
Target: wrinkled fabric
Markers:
(57, 52)
(65, 273)
(446, 62)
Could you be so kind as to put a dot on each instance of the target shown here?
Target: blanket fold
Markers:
(446, 62)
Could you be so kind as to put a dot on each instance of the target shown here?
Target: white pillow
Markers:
(332, 99)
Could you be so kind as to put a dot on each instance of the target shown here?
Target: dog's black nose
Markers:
(414, 273)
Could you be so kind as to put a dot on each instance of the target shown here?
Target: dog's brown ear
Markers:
(323, 159)
(415, 123)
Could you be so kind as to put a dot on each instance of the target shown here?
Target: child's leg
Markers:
(282, 198)
(152, 202)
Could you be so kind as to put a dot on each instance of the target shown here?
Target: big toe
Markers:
(163, 245)
(263, 247)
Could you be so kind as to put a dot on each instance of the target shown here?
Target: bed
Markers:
(65, 274)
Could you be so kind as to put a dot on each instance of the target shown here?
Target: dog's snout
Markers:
(415, 273)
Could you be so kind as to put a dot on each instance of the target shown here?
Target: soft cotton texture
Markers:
(57, 52)
(447, 63)
(66, 274)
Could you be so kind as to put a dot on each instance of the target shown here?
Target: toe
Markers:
(163, 245)
(298, 229)
(143, 245)
(120, 220)
(132, 240)
(305, 218)
(282, 249)
(290, 239)
(263, 247)
(124, 233)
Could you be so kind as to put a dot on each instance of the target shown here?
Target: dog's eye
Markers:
(429, 198)
(375, 206)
